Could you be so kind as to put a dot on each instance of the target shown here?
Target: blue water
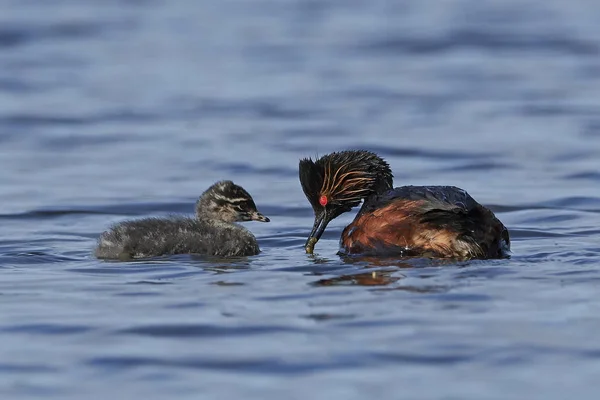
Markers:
(122, 109)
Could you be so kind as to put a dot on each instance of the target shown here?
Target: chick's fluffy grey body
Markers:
(151, 237)
(212, 232)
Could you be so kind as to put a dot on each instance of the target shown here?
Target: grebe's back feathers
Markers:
(432, 198)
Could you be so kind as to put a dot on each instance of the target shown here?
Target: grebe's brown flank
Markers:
(425, 221)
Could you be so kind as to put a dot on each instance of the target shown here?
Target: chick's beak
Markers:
(321, 221)
(256, 216)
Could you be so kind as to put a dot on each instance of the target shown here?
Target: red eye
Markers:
(323, 201)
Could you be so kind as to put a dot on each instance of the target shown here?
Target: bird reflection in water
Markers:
(384, 278)
(373, 278)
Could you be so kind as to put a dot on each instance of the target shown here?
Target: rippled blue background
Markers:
(122, 109)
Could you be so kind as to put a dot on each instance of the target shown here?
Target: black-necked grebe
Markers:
(412, 221)
(212, 232)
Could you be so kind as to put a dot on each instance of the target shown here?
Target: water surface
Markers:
(123, 109)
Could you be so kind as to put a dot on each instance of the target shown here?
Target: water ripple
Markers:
(484, 41)
(201, 331)
(47, 329)
(11, 37)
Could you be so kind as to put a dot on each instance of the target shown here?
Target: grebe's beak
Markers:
(321, 221)
(256, 216)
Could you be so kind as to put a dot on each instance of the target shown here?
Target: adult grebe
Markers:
(412, 221)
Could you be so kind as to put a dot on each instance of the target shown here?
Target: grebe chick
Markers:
(411, 221)
(212, 232)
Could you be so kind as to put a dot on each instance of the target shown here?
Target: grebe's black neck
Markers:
(382, 184)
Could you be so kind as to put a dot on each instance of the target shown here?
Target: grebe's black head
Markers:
(228, 202)
(336, 182)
